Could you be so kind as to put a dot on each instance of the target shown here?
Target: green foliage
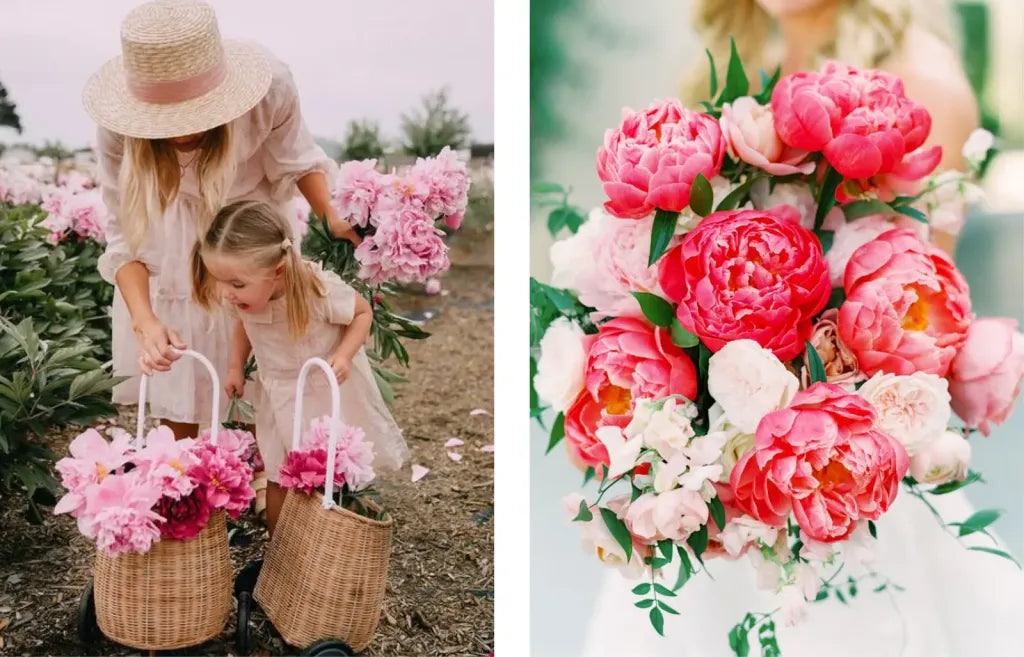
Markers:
(436, 125)
(8, 111)
(362, 141)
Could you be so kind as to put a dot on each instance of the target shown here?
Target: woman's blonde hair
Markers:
(867, 32)
(257, 233)
(150, 175)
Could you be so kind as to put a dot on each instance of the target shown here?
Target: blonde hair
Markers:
(259, 234)
(867, 32)
(150, 175)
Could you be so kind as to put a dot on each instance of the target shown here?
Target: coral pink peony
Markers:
(652, 159)
(749, 129)
(748, 274)
(822, 459)
(627, 360)
(907, 306)
(985, 378)
(185, 517)
(225, 478)
(305, 470)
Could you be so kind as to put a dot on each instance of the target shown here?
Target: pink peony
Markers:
(652, 159)
(672, 515)
(907, 306)
(119, 516)
(448, 183)
(627, 360)
(185, 517)
(986, 374)
(165, 462)
(300, 218)
(850, 236)
(92, 459)
(353, 455)
(454, 221)
(405, 248)
(748, 274)
(239, 442)
(749, 129)
(356, 190)
(225, 478)
(822, 459)
(18, 188)
(305, 470)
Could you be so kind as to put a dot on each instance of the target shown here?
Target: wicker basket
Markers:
(178, 594)
(326, 567)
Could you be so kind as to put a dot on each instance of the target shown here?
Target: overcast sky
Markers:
(351, 59)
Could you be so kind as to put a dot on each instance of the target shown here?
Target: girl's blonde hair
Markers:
(257, 233)
(867, 32)
(150, 175)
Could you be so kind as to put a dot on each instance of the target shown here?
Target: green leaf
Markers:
(557, 432)
(547, 188)
(880, 588)
(642, 589)
(635, 495)
(618, 530)
(912, 212)
(704, 359)
(714, 74)
(951, 486)
(717, 512)
(661, 233)
(666, 546)
(837, 298)
(842, 598)
(977, 522)
(702, 197)
(658, 311)
(738, 642)
(736, 83)
(664, 607)
(681, 337)
(708, 108)
(858, 209)
(814, 365)
(658, 621)
(644, 604)
(664, 590)
(698, 541)
(827, 196)
(768, 85)
(871, 528)
(822, 594)
(685, 568)
(584, 514)
(563, 217)
(534, 399)
(588, 475)
(733, 199)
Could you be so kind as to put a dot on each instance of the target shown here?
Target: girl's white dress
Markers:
(279, 359)
(273, 149)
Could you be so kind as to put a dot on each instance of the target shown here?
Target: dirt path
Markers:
(441, 577)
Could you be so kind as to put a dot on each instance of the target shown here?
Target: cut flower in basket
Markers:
(771, 351)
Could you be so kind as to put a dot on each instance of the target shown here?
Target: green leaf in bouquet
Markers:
(703, 361)
(822, 594)
(827, 195)
(584, 514)
(664, 590)
(658, 621)
(685, 568)
(642, 589)
(547, 188)
(635, 494)
(840, 596)
(998, 553)
(714, 74)
(667, 547)
(563, 300)
(872, 529)
(535, 407)
(768, 85)
(698, 542)
(709, 108)
(837, 298)
(564, 217)
(951, 486)
(702, 197)
(557, 432)
(913, 213)
(864, 208)
(977, 522)
(657, 563)
(738, 642)
(657, 310)
(665, 607)
(661, 233)
(736, 197)
(681, 337)
(588, 475)
(815, 367)
(618, 530)
(766, 637)
(736, 82)
(645, 604)
(717, 510)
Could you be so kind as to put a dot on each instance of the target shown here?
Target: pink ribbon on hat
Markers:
(177, 91)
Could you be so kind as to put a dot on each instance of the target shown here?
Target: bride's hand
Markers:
(157, 345)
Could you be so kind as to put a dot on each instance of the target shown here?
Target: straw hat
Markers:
(176, 76)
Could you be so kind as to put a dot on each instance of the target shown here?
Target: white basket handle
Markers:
(300, 387)
(215, 418)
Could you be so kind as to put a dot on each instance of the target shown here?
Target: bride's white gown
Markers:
(956, 602)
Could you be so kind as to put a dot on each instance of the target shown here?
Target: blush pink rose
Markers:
(651, 160)
(748, 274)
(627, 360)
(907, 306)
(822, 459)
(749, 130)
(672, 515)
(985, 378)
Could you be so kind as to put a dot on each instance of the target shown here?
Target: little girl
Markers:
(288, 310)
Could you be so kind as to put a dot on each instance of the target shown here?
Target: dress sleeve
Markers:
(290, 152)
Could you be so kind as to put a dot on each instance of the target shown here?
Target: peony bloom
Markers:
(840, 363)
(852, 235)
(183, 518)
(560, 368)
(907, 306)
(748, 274)
(749, 130)
(447, 182)
(356, 190)
(119, 516)
(353, 459)
(305, 470)
(627, 360)
(986, 374)
(92, 459)
(225, 478)
(406, 248)
(165, 462)
(652, 159)
(913, 409)
(822, 459)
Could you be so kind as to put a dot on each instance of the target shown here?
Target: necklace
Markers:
(191, 160)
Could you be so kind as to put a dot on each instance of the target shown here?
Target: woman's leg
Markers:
(181, 429)
(275, 499)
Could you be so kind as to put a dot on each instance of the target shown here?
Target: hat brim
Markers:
(109, 102)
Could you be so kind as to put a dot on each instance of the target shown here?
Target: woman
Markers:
(187, 124)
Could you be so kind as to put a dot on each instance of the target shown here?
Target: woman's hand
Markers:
(341, 228)
(234, 383)
(157, 345)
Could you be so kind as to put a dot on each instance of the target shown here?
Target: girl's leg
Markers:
(275, 499)
(181, 429)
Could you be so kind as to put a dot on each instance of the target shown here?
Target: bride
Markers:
(941, 600)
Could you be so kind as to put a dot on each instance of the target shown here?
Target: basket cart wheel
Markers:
(88, 628)
(330, 648)
(243, 633)
(246, 578)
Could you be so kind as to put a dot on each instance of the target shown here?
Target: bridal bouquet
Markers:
(125, 499)
(753, 344)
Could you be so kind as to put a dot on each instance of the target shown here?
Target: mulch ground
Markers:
(440, 593)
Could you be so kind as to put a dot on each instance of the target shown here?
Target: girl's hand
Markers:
(341, 366)
(234, 383)
(157, 345)
(341, 228)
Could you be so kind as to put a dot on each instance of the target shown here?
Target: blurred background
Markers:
(590, 59)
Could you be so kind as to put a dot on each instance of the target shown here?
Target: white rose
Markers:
(914, 409)
(977, 146)
(943, 459)
(572, 258)
(562, 364)
(749, 382)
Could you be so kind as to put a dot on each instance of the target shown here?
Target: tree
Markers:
(362, 141)
(435, 126)
(8, 113)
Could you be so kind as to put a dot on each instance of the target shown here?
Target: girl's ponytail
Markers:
(299, 287)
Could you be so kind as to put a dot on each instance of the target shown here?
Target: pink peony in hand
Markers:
(822, 459)
(907, 306)
(92, 459)
(986, 374)
(119, 514)
(185, 517)
(406, 248)
(448, 183)
(652, 159)
(748, 274)
(356, 190)
(749, 129)
(627, 360)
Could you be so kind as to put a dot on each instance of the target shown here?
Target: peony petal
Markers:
(454, 442)
(478, 411)
(455, 456)
(418, 472)
(487, 448)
